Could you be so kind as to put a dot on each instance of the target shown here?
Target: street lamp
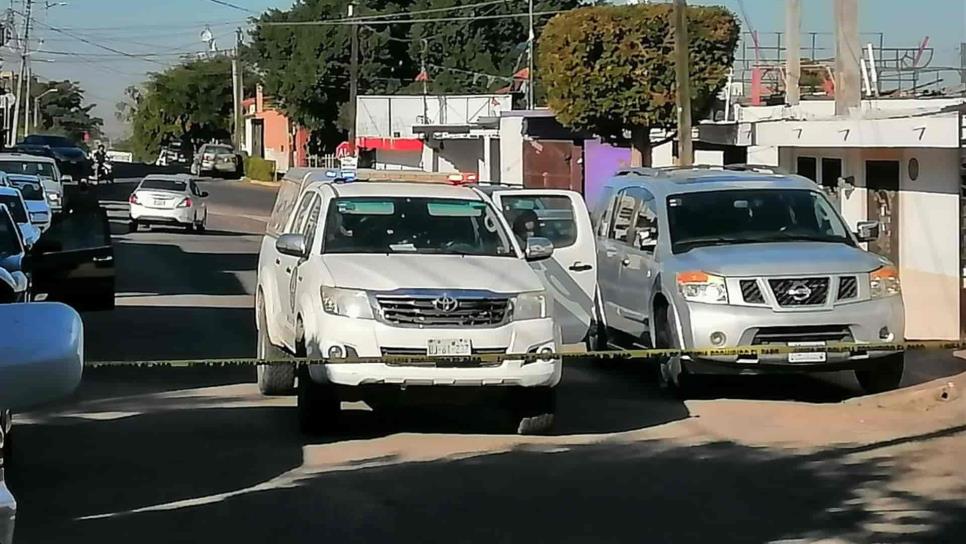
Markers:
(37, 105)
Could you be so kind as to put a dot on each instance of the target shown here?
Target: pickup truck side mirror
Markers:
(538, 248)
(867, 231)
(291, 244)
(43, 355)
(646, 239)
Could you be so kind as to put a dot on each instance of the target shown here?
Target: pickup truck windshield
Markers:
(31, 190)
(42, 169)
(15, 207)
(752, 216)
(414, 225)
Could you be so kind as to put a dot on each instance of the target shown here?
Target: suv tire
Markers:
(272, 379)
(884, 375)
(673, 375)
(318, 405)
(534, 410)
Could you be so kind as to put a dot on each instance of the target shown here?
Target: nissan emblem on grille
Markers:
(799, 291)
(446, 303)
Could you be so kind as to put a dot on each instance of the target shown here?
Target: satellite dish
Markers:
(206, 35)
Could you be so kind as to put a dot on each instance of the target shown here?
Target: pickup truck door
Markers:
(571, 274)
(638, 269)
(285, 268)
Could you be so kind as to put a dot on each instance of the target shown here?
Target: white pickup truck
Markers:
(371, 269)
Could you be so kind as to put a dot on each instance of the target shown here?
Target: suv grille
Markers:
(800, 291)
(821, 333)
(750, 292)
(848, 288)
(414, 311)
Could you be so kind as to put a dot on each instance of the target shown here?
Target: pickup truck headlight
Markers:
(53, 197)
(532, 305)
(702, 287)
(346, 302)
(884, 282)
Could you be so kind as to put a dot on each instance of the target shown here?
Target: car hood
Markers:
(390, 272)
(36, 206)
(779, 259)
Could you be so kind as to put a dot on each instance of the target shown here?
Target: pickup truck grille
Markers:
(800, 291)
(848, 288)
(751, 293)
(820, 333)
(413, 311)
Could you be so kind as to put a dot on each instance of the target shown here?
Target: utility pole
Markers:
(848, 91)
(425, 76)
(353, 77)
(530, 93)
(793, 44)
(236, 81)
(23, 69)
(682, 73)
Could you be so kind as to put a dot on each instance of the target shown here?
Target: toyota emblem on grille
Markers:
(799, 291)
(446, 303)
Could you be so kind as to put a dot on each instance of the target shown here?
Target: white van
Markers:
(371, 269)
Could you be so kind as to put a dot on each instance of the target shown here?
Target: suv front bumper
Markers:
(858, 322)
(370, 338)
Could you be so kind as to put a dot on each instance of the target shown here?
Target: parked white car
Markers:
(44, 168)
(13, 200)
(35, 198)
(169, 200)
(374, 269)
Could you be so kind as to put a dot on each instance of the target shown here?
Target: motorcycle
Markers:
(103, 172)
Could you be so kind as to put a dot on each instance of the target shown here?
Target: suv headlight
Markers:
(702, 287)
(532, 305)
(53, 197)
(884, 282)
(346, 302)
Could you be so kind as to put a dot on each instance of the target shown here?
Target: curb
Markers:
(262, 183)
(924, 396)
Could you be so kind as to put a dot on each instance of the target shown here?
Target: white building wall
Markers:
(461, 155)
(394, 116)
(399, 160)
(511, 150)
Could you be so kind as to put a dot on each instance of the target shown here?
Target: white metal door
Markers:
(570, 275)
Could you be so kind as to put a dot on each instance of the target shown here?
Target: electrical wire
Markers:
(233, 6)
(343, 22)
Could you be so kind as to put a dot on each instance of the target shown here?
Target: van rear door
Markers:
(571, 274)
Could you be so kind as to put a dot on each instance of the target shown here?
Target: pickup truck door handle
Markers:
(288, 269)
(626, 262)
(581, 267)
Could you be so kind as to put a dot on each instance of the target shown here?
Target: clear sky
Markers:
(172, 27)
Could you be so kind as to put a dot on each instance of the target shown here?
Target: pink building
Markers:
(270, 134)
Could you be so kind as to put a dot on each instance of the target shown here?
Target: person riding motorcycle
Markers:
(101, 167)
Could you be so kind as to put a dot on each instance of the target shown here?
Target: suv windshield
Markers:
(15, 207)
(414, 225)
(52, 141)
(752, 216)
(31, 190)
(30, 168)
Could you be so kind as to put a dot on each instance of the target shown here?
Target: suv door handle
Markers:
(278, 261)
(581, 267)
(626, 262)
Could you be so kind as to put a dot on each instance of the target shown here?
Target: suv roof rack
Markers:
(758, 168)
(638, 171)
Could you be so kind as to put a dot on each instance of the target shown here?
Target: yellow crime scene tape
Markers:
(496, 358)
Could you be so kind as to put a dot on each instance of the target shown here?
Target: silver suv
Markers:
(703, 258)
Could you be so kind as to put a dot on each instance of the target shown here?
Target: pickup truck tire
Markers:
(884, 375)
(534, 410)
(272, 379)
(318, 405)
(673, 374)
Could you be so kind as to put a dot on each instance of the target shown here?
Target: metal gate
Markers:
(882, 182)
(553, 164)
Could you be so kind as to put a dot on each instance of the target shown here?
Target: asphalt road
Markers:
(192, 455)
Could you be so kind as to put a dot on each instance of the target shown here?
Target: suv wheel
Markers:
(318, 405)
(534, 409)
(884, 375)
(272, 379)
(673, 374)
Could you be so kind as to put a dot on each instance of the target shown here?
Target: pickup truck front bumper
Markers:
(868, 321)
(370, 338)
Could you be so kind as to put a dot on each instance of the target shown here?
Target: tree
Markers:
(610, 70)
(63, 111)
(191, 102)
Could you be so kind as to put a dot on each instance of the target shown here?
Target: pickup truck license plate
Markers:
(448, 347)
(818, 357)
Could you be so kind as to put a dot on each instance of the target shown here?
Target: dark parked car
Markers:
(71, 158)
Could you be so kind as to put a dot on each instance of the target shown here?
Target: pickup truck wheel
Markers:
(673, 374)
(318, 405)
(884, 375)
(272, 379)
(534, 410)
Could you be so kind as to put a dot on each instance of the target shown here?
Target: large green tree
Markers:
(609, 70)
(191, 102)
(63, 110)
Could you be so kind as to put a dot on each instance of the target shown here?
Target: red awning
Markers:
(390, 144)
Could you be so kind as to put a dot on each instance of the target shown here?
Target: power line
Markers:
(233, 6)
(422, 11)
(341, 22)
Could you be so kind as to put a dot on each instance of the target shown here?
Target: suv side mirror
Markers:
(538, 248)
(291, 244)
(646, 239)
(867, 231)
